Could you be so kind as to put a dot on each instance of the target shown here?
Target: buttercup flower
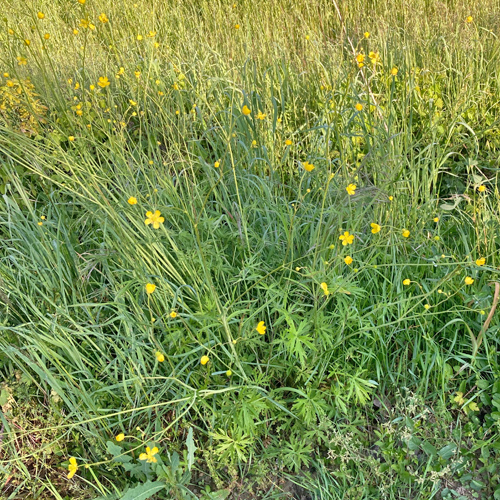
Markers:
(150, 288)
(204, 360)
(160, 357)
(366, 34)
(360, 58)
(260, 116)
(308, 166)
(154, 218)
(103, 18)
(351, 189)
(72, 467)
(324, 287)
(375, 228)
(173, 314)
(468, 280)
(120, 437)
(481, 188)
(261, 328)
(132, 200)
(468, 19)
(405, 233)
(40, 15)
(246, 110)
(436, 219)
(149, 455)
(348, 260)
(481, 261)
(358, 106)
(288, 142)
(71, 138)
(406, 282)
(427, 307)
(229, 373)
(103, 81)
(394, 71)
(217, 164)
(346, 238)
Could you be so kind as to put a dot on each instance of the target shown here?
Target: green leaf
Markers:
(144, 491)
(428, 448)
(447, 451)
(191, 448)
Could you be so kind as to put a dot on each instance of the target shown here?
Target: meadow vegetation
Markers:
(249, 250)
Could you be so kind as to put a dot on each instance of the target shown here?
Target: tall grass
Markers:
(351, 393)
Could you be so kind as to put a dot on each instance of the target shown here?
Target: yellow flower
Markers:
(459, 398)
(366, 34)
(468, 280)
(375, 228)
(137, 74)
(481, 188)
(261, 328)
(149, 455)
(468, 19)
(374, 57)
(324, 287)
(236, 26)
(360, 58)
(151, 34)
(351, 189)
(11, 31)
(348, 260)
(72, 467)
(139, 37)
(481, 261)
(40, 223)
(120, 437)
(132, 103)
(160, 357)
(132, 200)
(217, 164)
(121, 70)
(406, 282)
(427, 307)
(308, 166)
(406, 233)
(346, 238)
(9, 83)
(154, 218)
(391, 198)
(41, 15)
(173, 314)
(436, 219)
(103, 81)
(46, 36)
(43, 217)
(204, 360)
(288, 142)
(103, 18)
(71, 138)
(150, 288)
(254, 144)
(75, 32)
(358, 106)
(27, 43)
(246, 110)
(260, 116)
(229, 373)
(6, 75)
(81, 1)
(394, 71)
